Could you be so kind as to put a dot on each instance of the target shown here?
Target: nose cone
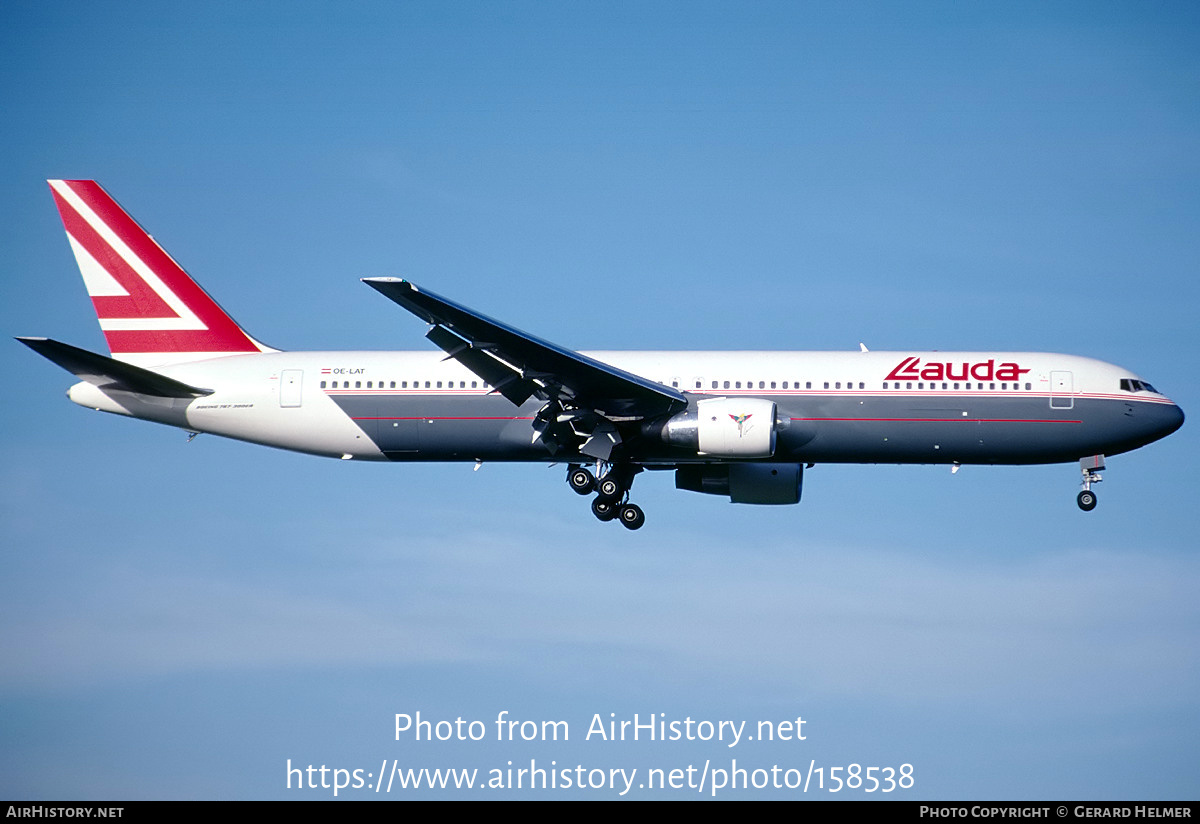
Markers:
(1146, 423)
(1158, 420)
(1172, 419)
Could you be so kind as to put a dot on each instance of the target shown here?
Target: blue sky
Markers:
(179, 620)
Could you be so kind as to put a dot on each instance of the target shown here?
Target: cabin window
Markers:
(322, 384)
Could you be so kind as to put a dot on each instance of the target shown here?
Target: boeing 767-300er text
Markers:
(741, 424)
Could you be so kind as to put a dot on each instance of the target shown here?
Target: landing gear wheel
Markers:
(610, 489)
(631, 516)
(581, 480)
(604, 510)
(1086, 500)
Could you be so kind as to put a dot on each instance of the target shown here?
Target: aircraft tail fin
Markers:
(150, 309)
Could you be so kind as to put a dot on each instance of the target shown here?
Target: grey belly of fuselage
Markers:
(1017, 429)
(436, 428)
(971, 430)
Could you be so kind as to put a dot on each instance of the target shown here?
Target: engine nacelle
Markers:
(726, 428)
(745, 483)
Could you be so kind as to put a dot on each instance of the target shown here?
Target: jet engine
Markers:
(745, 483)
(726, 428)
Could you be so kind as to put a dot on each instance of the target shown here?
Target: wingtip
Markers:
(388, 280)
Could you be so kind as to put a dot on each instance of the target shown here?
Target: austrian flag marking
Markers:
(912, 368)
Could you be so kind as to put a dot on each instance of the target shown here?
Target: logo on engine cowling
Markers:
(740, 420)
(988, 370)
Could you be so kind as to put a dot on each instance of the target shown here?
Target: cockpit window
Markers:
(1134, 385)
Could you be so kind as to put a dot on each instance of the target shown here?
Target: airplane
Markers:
(739, 424)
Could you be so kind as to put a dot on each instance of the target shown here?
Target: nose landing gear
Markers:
(612, 493)
(1090, 469)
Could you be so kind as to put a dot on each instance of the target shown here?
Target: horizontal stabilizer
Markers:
(107, 373)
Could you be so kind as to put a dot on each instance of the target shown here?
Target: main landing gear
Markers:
(612, 494)
(1089, 468)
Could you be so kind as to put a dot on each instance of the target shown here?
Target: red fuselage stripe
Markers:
(946, 420)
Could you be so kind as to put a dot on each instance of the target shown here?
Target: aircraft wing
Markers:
(520, 365)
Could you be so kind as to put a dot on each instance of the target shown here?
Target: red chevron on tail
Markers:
(150, 309)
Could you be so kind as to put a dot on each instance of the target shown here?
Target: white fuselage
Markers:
(927, 407)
